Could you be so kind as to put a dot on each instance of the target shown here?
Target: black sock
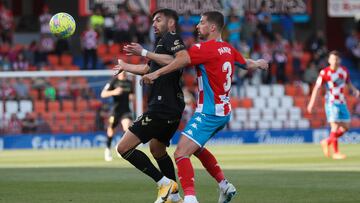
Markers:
(108, 142)
(166, 166)
(142, 162)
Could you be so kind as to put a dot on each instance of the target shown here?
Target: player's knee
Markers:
(125, 154)
(121, 149)
(158, 152)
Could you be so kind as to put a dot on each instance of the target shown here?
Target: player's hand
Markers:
(149, 78)
(309, 108)
(262, 64)
(117, 91)
(119, 67)
(133, 49)
(357, 94)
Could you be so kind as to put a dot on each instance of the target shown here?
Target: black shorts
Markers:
(147, 127)
(116, 117)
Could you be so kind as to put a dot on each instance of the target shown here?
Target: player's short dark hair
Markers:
(215, 17)
(335, 53)
(168, 13)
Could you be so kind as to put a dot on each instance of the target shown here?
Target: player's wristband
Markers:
(144, 52)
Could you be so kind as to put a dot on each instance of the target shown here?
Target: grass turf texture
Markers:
(261, 173)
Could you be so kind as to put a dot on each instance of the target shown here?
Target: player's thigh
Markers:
(185, 147)
(113, 121)
(125, 123)
(202, 127)
(344, 126)
(128, 141)
(157, 148)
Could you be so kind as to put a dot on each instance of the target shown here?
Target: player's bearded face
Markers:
(203, 28)
(160, 24)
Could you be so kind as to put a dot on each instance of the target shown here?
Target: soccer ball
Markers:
(62, 25)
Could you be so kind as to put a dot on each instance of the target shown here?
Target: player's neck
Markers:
(335, 67)
(214, 36)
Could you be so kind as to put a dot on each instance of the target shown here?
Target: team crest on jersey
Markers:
(198, 45)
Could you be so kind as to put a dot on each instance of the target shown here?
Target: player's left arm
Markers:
(353, 89)
(181, 60)
(138, 50)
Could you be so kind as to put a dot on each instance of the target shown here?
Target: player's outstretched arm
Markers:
(354, 90)
(181, 60)
(313, 98)
(109, 93)
(260, 63)
(137, 69)
(138, 50)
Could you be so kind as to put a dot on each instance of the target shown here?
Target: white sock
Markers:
(223, 184)
(190, 198)
(163, 181)
(175, 197)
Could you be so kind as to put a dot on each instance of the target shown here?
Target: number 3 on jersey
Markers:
(228, 69)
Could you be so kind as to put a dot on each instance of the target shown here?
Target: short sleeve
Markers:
(173, 43)
(320, 79)
(239, 59)
(196, 53)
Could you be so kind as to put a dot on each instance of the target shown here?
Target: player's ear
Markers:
(171, 22)
(213, 27)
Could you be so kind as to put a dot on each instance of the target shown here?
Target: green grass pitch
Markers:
(261, 173)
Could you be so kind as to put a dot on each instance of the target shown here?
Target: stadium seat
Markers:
(240, 114)
(82, 105)
(235, 125)
(276, 124)
(304, 124)
(39, 106)
(26, 106)
(290, 124)
(102, 50)
(11, 106)
(264, 91)
(88, 116)
(251, 91)
(94, 104)
(114, 49)
(355, 123)
(61, 116)
(315, 123)
(67, 106)
(273, 102)
(281, 114)
(251, 125)
(259, 102)
(66, 59)
(246, 103)
(268, 114)
(277, 90)
(295, 113)
(300, 101)
(73, 115)
(254, 114)
(53, 60)
(286, 102)
(53, 106)
(263, 125)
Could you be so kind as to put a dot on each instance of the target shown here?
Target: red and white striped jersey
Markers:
(214, 61)
(335, 81)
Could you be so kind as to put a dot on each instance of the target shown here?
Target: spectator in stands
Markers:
(20, 63)
(297, 54)
(287, 24)
(14, 125)
(317, 46)
(264, 21)
(5, 64)
(62, 46)
(46, 46)
(44, 20)
(187, 27)
(109, 23)
(356, 113)
(63, 89)
(50, 92)
(311, 73)
(87, 93)
(97, 20)
(89, 42)
(74, 88)
(29, 124)
(39, 84)
(22, 90)
(353, 46)
(42, 125)
(123, 21)
(233, 28)
(6, 24)
(7, 91)
(249, 28)
(142, 26)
